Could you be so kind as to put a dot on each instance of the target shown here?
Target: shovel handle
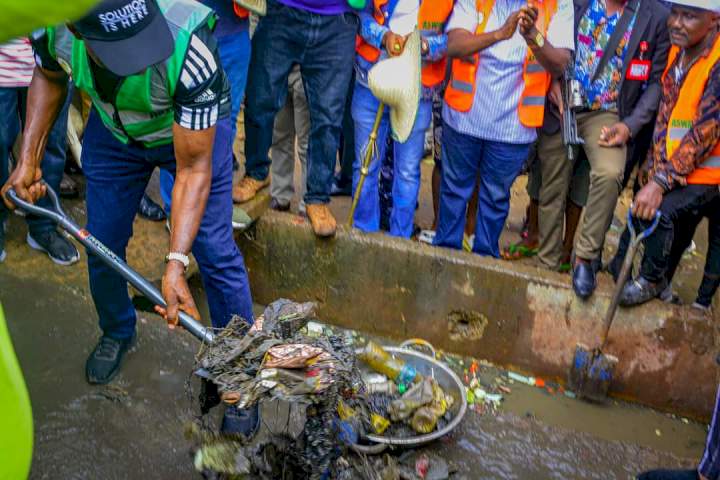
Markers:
(94, 246)
(635, 240)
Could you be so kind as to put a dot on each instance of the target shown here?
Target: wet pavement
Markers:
(134, 427)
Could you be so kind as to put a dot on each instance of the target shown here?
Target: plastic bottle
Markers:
(381, 361)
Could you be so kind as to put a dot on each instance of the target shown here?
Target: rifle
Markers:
(572, 97)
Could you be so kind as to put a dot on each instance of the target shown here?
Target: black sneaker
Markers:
(59, 249)
(104, 362)
(150, 210)
(244, 421)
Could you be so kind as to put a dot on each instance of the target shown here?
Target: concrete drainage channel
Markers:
(520, 317)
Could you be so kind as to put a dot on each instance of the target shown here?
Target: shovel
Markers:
(94, 246)
(591, 372)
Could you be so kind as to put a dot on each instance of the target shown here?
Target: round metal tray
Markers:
(448, 380)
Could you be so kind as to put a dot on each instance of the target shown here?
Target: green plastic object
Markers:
(21, 17)
(357, 4)
(16, 427)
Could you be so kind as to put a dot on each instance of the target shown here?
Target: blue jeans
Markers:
(12, 108)
(498, 164)
(234, 56)
(408, 155)
(117, 176)
(323, 46)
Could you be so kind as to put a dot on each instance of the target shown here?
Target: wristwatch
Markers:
(180, 257)
(539, 40)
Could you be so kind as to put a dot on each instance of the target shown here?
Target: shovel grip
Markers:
(94, 246)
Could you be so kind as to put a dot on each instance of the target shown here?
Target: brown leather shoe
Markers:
(322, 220)
(247, 188)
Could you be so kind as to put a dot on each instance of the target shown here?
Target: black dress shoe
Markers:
(585, 278)
(276, 204)
(641, 291)
(150, 210)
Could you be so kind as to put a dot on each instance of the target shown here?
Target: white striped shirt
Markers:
(499, 80)
(16, 63)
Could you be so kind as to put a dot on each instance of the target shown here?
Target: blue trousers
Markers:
(12, 117)
(498, 164)
(323, 46)
(117, 176)
(234, 53)
(408, 155)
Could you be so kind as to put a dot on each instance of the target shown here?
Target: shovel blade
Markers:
(591, 373)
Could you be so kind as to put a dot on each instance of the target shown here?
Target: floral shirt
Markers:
(594, 33)
(697, 145)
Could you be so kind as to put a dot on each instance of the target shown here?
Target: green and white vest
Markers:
(143, 109)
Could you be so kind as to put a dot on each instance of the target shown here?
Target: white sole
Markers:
(36, 246)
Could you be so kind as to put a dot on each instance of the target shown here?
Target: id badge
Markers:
(639, 70)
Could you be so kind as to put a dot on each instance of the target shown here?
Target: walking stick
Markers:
(369, 152)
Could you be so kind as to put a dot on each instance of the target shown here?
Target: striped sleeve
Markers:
(202, 92)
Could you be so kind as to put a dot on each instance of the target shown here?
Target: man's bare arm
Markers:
(46, 96)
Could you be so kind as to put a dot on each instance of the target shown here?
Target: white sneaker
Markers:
(426, 236)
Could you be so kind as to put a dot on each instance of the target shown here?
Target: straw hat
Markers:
(256, 6)
(712, 5)
(396, 82)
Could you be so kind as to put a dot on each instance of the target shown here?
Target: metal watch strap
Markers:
(180, 257)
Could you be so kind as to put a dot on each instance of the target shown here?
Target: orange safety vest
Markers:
(685, 113)
(431, 20)
(460, 92)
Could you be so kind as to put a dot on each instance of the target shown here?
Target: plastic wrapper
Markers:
(419, 395)
(291, 355)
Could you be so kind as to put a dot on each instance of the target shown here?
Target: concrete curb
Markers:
(521, 317)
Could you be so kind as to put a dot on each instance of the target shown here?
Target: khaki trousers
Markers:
(607, 166)
(292, 121)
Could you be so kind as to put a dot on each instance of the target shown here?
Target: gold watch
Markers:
(539, 40)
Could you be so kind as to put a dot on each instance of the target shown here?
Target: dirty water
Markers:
(134, 428)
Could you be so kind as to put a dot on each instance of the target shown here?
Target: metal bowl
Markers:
(446, 378)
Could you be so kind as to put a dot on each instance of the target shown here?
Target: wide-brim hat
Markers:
(258, 7)
(126, 36)
(711, 5)
(396, 82)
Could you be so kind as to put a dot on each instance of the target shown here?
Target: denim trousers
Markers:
(234, 53)
(407, 157)
(323, 46)
(12, 108)
(498, 164)
(117, 176)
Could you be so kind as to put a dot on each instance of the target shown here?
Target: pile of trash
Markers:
(278, 360)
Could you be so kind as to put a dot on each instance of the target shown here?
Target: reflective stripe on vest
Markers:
(460, 93)
(685, 113)
(145, 105)
(432, 16)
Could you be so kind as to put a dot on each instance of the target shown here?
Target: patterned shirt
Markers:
(697, 145)
(594, 32)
